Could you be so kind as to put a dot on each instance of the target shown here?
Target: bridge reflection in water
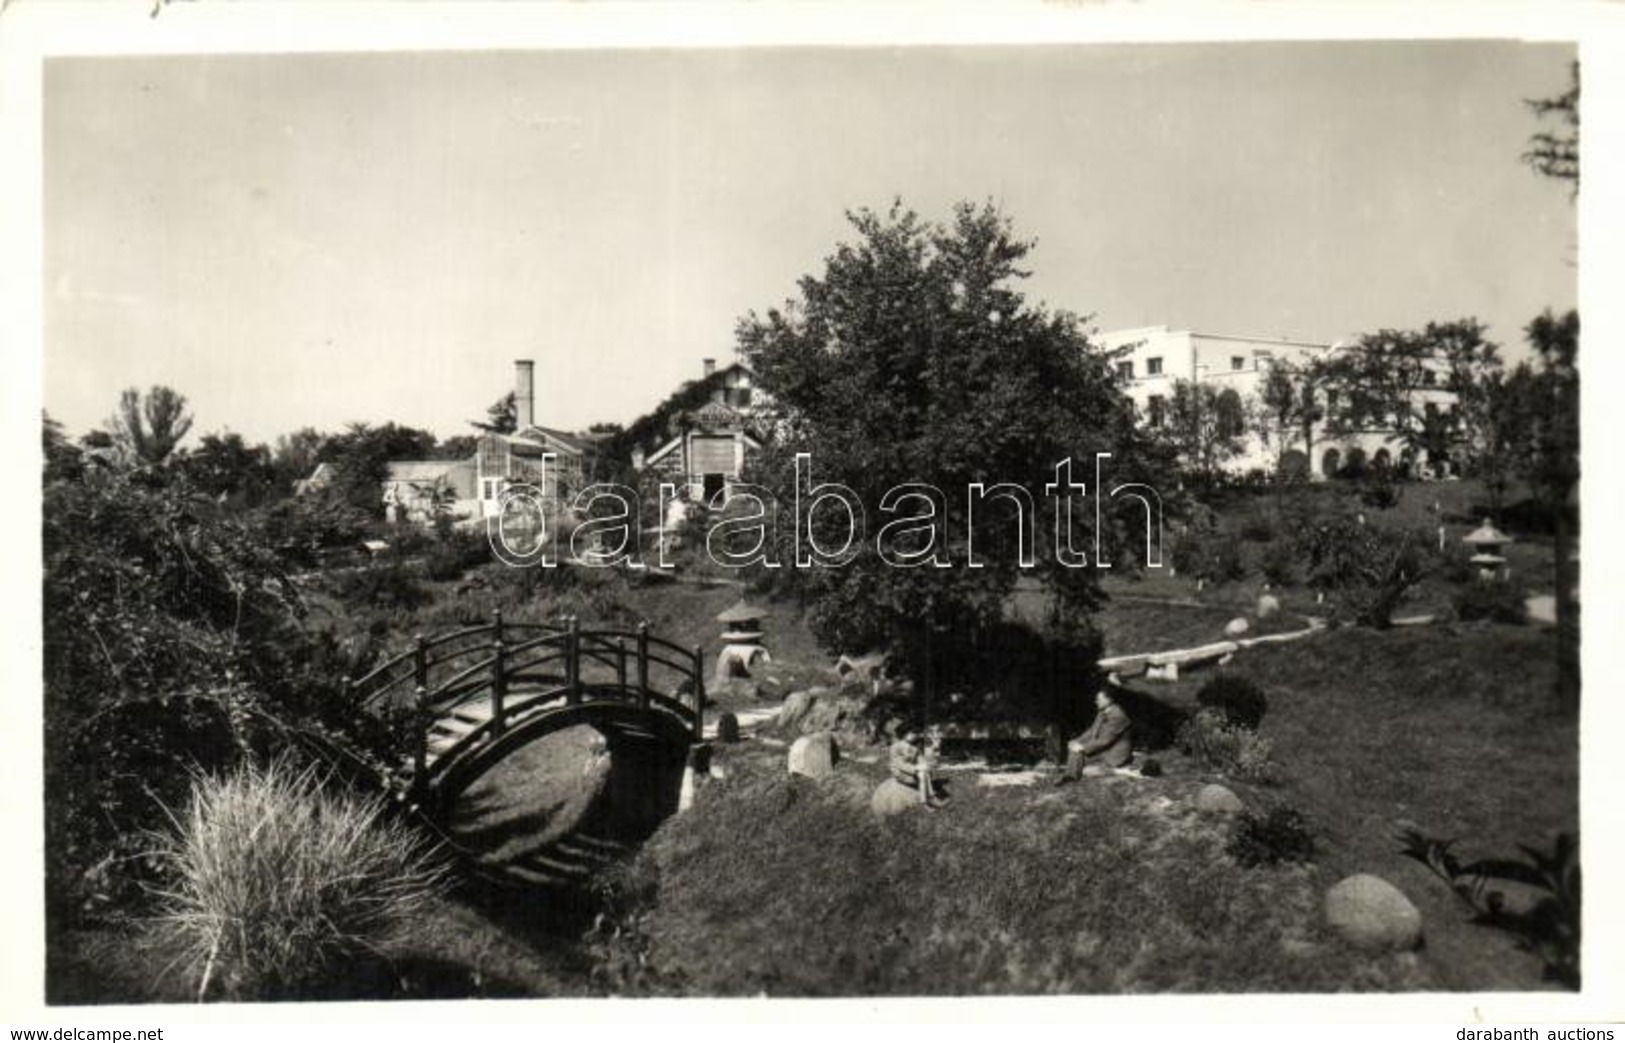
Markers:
(542, 752)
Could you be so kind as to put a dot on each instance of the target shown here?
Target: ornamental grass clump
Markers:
(277, 884)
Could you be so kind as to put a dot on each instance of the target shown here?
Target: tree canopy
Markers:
(1556, 154)
(1395, 380)
(1204, 426)
(148, 428)
(502, 416)
(912, 359)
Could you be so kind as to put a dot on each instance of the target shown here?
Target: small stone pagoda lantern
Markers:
(741, 641)
(1487, 542)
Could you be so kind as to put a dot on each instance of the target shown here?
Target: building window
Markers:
(1237, 363)
(1125, 369)
(1155, 412)
(1153, 367)
(491, 488)
(739, 398)
(1429, 378)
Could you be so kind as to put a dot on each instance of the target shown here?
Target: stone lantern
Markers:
(1487, 542)
(741, 641)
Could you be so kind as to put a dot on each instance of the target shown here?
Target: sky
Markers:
(310, 240)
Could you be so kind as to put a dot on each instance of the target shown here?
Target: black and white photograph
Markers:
(787, 519)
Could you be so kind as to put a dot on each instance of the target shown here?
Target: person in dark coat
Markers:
(1108, 743)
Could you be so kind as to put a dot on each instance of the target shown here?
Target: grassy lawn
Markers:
(1452, 729)
(1107, 888)
(1132, 625)
(793, 888)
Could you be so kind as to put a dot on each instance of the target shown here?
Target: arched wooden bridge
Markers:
(478, 697)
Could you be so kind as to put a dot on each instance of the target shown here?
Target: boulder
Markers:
(892, 797)
(813, 755)
(728, 728)
(1237, 627)
(1373, 914)
(796, 706)
(1215, 799)
(1268, 605)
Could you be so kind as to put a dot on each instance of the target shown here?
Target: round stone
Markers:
(1373, 914)
(893, 798)
(1218, 800)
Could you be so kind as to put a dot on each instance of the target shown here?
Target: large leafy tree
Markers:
(1549, 452)
(501, 417)
(1204, 426)
(295, 456)
(912, 358)
(224, 466)
(1427, 386)
(1293, 400)
(360, 458)
(1548, 458)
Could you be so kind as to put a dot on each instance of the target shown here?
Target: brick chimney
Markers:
(524, 393)
(710, 366)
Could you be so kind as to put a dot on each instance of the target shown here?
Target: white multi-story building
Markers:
(1150, 360)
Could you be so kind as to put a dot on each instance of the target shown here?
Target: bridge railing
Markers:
(524, 666)
(432, 661)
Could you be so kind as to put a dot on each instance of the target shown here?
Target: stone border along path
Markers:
(748, 719)
(1137, 663)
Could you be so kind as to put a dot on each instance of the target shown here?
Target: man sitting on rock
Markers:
(1107, 744)
(911, 762)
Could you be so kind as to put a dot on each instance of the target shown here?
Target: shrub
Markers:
(1210, 555)
(1152, 768)
(1379, 490)
(1229, 748)
(456, 553)
(1497, 602)
(1455, 567)
(1279, 562)
(172, 639)
(301, 528)
(277, 883)
(1257, 527)
(1367, 569)
(1281, 835)
(442, 563)
(390, 586)
(1239, 701)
